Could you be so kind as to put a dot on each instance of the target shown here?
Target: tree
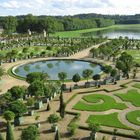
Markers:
(62, 76)
(1, 137)
(72, 128)
(87, 73)
(2, 72)
(10, 24)
(48, 107)
(8, 116)
(31, 77)
(17, 92)
(107, 69)
(18, 107)
(96, 77)
(76, 78)
(30, 133)
(94, 129)
(36, 88)
(113, 74)
(114, 134)
(30, 102)
(62, 106)
(127, 63)
(53, 118)
(9, 132)
(57, 135)
(137, 134)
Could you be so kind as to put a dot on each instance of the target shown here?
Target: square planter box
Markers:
(54, 127)
(87, 84)
(54, 95)
(18, 121)
(38, 105)
(31, 112)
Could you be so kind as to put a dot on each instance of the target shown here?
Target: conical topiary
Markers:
(9, 132)
(48, 107)
(1, 137)
(57, 135)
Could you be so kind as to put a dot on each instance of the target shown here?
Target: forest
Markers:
(20, 24)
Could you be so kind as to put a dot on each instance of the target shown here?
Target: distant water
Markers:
(116, 33)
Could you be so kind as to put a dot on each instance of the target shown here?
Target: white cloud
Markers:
(66, 7)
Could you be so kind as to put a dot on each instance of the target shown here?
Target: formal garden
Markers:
(99, 95)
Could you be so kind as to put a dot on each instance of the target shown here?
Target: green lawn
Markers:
(110, 120)
(135, 54)
(108, 103)
(133, 117)
(137, 86)
(132, 96)
(78, 33)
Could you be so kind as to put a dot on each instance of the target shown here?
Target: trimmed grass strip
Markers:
(110, 120)
(134, 117)
(108, 103)
(132, 96)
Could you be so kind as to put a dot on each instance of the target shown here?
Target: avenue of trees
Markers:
(23, 48)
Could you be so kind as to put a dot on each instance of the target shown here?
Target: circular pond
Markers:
(53, 67)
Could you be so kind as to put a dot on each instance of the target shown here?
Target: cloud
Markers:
(68, 7)
(10, 5)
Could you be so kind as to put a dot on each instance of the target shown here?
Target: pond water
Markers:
(53, 67)
(116, 33)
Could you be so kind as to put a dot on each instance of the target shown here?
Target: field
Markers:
(78, 33)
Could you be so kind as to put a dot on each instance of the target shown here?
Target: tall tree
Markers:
(62, 76)
(62, 105)
(94, 129)
(87, 73)
(1, 137)
(76, 78)
(57, 135)
(10, 24)
(9, 132)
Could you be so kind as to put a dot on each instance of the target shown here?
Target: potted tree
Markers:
(19, 108)
(76, 78)
(30, 103)
(53, 119)
(87, 73)
(62, 77)
(97, 77)
(94, 129)
(30, 133)
(9, 116)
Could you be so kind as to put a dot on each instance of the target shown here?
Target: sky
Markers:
(68, 7)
